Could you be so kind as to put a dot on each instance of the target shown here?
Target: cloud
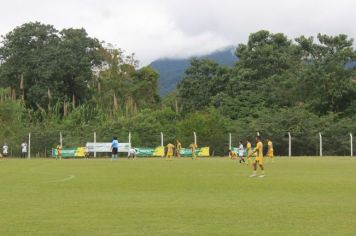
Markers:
(147, 29)
(179, 28)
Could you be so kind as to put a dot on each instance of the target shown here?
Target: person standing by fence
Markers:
(59, 151)
(114, 148)
(170, 148)
(5, 150)
(270, 150)
(23, 149)
(178, 148)
(192, 147)
(241, 152)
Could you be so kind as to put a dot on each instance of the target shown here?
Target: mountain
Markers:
(172, 70)
(351, 65)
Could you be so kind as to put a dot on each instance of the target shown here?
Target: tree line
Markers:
(66, 81)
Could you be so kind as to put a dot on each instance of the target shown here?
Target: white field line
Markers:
(70, 177)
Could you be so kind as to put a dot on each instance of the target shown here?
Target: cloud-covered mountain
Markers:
(172, 70)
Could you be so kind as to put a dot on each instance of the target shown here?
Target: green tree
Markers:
(268, 68)
(43, 64)
(121, 89)
(327, 84)
(267, 54)
(145, 85)
(211, 128)
(203, 80)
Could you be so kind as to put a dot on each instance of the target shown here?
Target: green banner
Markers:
(150, 152)
(70, 152)
(199, 152)
(159, 152)
(140, 152)
(144, 152)
(186, 152)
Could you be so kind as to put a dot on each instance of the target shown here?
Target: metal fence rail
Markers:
(40, 143)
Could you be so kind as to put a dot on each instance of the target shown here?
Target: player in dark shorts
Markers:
(114, 148)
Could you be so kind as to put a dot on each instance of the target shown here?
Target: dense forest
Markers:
(52, 81)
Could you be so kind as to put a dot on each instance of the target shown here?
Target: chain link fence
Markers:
(42, 142)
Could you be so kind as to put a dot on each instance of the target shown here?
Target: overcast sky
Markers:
(180, 28)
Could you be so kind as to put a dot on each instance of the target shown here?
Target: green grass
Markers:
(299, 196)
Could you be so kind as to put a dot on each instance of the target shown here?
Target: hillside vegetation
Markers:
(63, 80)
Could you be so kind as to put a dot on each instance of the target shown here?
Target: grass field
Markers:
(299, 196)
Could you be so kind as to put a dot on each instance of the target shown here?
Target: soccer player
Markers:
(178, 148)
(259, 158)
(59, 151)
(241, 152)
(232, 154)
(114, 148)
(132, 153)
(249, 152)
(170, 148)
(5, 150)
(192, 147)
(270, 150)
(23, 149)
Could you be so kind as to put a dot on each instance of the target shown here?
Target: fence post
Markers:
(289, 145)
(321, 144)
(94, 144)
(29, 146)
(230, 143)
(60, 139)
(162, 142)
(195, 138)
(351, 145)
(130, 138)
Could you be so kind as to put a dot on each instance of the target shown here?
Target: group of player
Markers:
(5, 150)
(114, 150)
(171, 149)
(254, 156)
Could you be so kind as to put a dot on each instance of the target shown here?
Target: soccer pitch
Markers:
(212, 196)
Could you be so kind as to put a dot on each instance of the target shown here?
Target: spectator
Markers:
(5, 150)
(23, 149)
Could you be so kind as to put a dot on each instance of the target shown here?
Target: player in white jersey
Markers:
(132, 153)
(5, 150)
(23, 149)
(241, 152)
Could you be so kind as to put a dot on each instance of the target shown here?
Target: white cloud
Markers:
(178, 28)
(147, 29)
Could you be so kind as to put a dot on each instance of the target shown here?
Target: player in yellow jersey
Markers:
(170, 148)
(249, 152)
(270, 150)
(178, 148)
(259, 158)
(59, 151)
(192, 147)
(232, 154)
